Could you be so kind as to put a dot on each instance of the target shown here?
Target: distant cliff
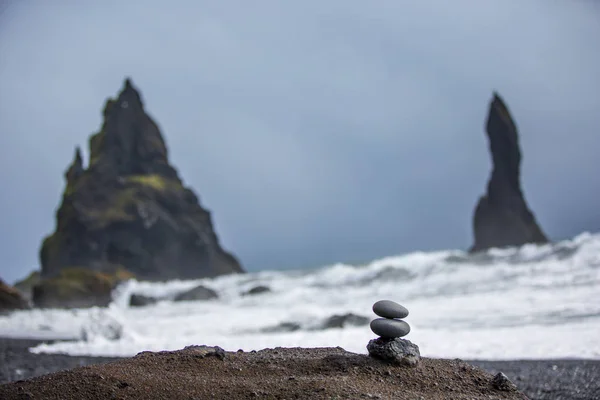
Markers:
(502, 217)
(128, 210)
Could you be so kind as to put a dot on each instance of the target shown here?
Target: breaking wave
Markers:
(527, 302)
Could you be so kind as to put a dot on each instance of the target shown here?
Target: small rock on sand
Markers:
(400, 351)
(501, 382)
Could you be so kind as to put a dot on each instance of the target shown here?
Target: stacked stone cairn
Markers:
(391, 328)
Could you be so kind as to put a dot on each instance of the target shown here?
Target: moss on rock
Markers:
(78, 287)
(96, 146)
(154, 181)
(121, 206)
(25, 286)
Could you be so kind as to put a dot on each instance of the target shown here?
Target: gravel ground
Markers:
(550, 379)
(538, 379)
(201, 372)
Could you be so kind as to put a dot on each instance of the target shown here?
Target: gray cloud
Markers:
(314, 131)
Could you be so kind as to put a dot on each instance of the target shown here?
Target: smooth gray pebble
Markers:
(389, 309)
(390, 328)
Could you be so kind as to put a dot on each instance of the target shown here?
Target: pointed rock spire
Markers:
(502, 217)
(130, 96)
(130, 142)
(128, 209)
(76, 168)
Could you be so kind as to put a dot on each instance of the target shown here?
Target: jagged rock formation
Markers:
(129, 209)
(502, 217)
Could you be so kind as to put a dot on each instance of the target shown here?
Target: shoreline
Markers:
(538, 379)
(18, 363)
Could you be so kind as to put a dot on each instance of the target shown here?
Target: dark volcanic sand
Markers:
(16, 362)
(280, 373)
(551, 379)
(545, 379)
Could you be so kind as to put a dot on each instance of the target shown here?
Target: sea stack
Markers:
(502, 217)
(127, 214)
(390, 328)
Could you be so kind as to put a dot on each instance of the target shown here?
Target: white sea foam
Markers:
(528, 302)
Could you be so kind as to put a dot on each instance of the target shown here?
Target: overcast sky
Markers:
(315, 131)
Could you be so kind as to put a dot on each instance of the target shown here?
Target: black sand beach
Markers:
(17, 362)
(538, 379)
(550, 379)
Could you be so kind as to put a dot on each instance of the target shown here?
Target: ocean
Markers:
(532, 302)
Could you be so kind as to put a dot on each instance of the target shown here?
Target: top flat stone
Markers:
(389, 309)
